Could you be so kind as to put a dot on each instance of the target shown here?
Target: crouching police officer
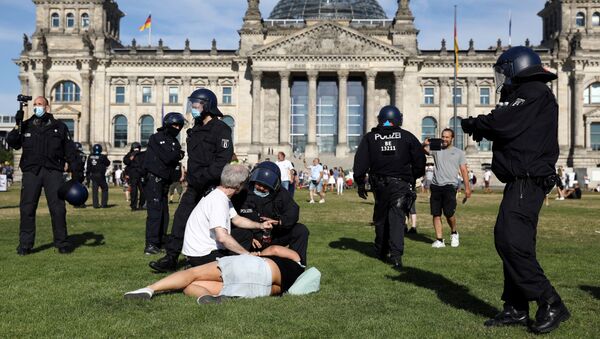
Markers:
(46, 145)
(96, 171)
(134, 161)
(524, 129)
(210, 148)
(162, 165)
(264, 197)
(394, 158)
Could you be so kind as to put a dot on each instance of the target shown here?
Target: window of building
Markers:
(428, 128)
(356, 113)
(146, 129)
(227, 95)
(173, 95)
(327, 115)
(230, 121)
(457, 95)
(55, 20)
(580, 19)
(299, 115)
(67, 91)
(459, 136)
(595, 136)
(484, 145)
(591, 95)
(70, 126)
(428, 96)
(146, 94)
(70, 20)
(484, 96)
(596, 19)
(120, 94)
(85, 20)
(120, 131)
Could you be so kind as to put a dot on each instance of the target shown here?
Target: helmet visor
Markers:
(195, 103)
(499, 77)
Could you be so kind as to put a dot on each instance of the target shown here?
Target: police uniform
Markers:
(278, 205)
(136, 175)
(46, 146)
(393, 158)
(96, 172)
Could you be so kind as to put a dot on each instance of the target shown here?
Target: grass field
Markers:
(443, 293)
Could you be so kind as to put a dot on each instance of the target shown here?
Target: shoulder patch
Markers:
(517, 102)
(225, 143)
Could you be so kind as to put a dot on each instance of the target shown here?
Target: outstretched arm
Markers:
(280, 251)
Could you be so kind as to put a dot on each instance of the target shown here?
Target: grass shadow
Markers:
(76, 241)
(362, 247)
(593, 290)
(449, 292)
(10, 206)
(419, 237)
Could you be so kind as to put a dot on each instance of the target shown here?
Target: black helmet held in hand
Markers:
(97, 149)
(266, 173)
(73, 192)
(520, 64)
(136, 146)
(79, 146)
(389, 116)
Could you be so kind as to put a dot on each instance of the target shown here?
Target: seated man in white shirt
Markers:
(208, 231)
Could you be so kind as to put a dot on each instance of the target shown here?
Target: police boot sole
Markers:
(564, 317)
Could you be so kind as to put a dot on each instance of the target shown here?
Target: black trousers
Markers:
(31, 190)
(136, 200)
(514, 237)
(99, 181)
(212, 256)
(389, 217)
(157, 208)
(188, 201)
(295, 238)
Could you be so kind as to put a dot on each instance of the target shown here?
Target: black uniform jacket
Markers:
(524, 132)
(162, 155)
(390, 152)
(134, 167)
(277, 205)
(46, 143)
(209, 148)
(97, 164)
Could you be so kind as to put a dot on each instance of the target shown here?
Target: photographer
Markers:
(46, 146)
(134, 161)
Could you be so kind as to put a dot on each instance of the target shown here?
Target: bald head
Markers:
(41, 101)
(40, 106)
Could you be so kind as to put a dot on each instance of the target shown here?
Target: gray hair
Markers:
(233, 176)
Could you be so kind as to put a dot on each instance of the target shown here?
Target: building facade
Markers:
(308, 80)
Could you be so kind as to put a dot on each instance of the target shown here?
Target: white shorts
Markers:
(245, 276)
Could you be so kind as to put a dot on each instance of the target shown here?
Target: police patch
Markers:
(225, 143)
(518, 102)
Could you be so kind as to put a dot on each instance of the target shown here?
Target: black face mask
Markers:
(172, 131)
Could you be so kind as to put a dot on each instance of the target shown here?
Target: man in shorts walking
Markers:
(316, 180)
(448, 161)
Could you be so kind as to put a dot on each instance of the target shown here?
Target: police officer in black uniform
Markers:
(210, 148)
(83, 159)
(97, 164)
(162, 165)
(394, 158)
(46, 146)
(264, 197)
(134, 161)
(524, 129)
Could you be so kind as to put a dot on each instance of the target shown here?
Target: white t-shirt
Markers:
(487, 175)
(285, 166)
(214, 210)
(315, 172)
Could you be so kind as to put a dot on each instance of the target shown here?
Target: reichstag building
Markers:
(308, 79)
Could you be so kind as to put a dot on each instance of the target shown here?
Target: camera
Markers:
(24, 98)
(435, 144)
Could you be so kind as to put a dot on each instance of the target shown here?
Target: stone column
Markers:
(578, 124)
(471, 147)
(256, 111)
(371, 120)
(160, 95)
(284, 109)
(399, 90)
(84, 120)
(311, 149)
(38, 86)
(132, 119)
(342, 143)
(444, 119)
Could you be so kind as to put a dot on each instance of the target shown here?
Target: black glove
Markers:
(362, 191)
(477, 137)
(19, 117)
(181, 154)
(468, 125)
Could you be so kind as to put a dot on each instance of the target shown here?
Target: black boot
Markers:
(165, 264)
(397, 264)
(549, 315)
(509, 316)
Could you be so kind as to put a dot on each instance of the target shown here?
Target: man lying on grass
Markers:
(270, 272)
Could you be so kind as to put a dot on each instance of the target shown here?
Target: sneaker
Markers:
(454, 240)
(438, 244)
(322, 201)
(210, 299)
(143, 293)
(311, 202)
(151, 249)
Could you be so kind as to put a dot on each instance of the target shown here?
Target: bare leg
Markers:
(437, 225)
(312, 193)
(182, 279)
(452, 223)
(413, 218)
(201, 288)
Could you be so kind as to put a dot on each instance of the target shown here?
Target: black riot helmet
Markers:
(136, 146)
(389, 116)
(171, 120)
(268, 174)
(79, 146)
(97, 149)
(73, 192)
(520, 64)
(209, 101)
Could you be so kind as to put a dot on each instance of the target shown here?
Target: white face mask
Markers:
(39, 111)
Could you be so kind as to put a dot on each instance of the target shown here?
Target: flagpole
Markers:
(150, 33)
(509, 28)
(455, 73)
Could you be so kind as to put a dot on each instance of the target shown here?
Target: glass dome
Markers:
(327, 9)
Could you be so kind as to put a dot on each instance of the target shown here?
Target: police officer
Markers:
(210, 148)
(162, 165)
(264, 197)
(394, 158)
(134, 161)
(96, 172)
(83, 159)
(524, 128)
(46, 146)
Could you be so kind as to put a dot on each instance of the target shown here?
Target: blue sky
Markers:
(202, 20)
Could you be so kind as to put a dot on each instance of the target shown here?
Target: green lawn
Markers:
(442, 293)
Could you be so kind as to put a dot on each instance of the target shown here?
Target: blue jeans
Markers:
(286, 185)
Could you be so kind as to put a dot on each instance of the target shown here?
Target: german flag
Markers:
(147, 24)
